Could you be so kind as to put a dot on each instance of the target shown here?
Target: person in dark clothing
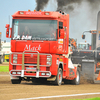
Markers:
(26, 33)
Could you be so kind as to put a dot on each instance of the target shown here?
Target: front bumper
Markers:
(37, 61)
(24, 73)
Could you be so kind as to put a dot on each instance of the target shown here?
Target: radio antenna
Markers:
(9, 19)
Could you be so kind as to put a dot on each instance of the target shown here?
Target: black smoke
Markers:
(83, 14)
(66, 5)
(69, 5)
(41, 4)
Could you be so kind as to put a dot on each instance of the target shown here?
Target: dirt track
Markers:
(10, 91)
(5, 64)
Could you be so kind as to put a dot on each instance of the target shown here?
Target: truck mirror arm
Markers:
(86, 31)
(83, 36)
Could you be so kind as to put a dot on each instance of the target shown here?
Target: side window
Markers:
(60, 25)
(16, 28)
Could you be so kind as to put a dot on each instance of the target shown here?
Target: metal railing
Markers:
(23, 59)
(23, 63)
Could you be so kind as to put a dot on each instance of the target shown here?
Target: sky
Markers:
(81, 18)
(9, 7)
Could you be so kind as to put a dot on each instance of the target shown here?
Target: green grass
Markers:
(4, 68)
(5, 60)
(87, 99)
(93, 99)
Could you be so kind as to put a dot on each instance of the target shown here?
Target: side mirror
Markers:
(61, 33)
(10, 32)
(7, 30)
(83, 36)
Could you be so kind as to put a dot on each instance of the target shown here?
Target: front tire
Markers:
(16, 81)
(58, 80)
(76, 81)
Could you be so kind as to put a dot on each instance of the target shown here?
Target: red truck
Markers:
(40, 47)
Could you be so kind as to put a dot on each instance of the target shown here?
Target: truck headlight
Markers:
(48, 63)
(14, 61)
(47, 74)
(14, 57)
(48, 59)
(18, 73)
(43, 74)
(13, 72)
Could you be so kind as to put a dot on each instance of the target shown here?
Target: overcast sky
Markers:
(81, 18)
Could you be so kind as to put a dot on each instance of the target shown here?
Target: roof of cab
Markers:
(38, 14)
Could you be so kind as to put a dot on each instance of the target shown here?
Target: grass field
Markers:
(4, 68)
(93, 99)
(87, 99)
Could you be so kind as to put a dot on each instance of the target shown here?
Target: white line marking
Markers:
(57, 96)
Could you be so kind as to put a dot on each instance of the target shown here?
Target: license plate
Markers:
(31, 68)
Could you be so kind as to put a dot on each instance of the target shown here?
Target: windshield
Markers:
(34, 29)
(83, 46)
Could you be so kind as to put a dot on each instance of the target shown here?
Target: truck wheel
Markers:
(58, 80)
(76, 81)
(1, 59)
(16, 81)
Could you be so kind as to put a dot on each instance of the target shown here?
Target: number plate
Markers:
(28, 68)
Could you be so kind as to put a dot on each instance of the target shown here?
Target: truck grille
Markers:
(30, 58)
(33, 59)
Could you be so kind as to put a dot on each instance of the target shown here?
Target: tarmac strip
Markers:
(57, 96)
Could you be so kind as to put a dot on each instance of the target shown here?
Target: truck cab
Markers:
(39, 46)
(84, 46)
